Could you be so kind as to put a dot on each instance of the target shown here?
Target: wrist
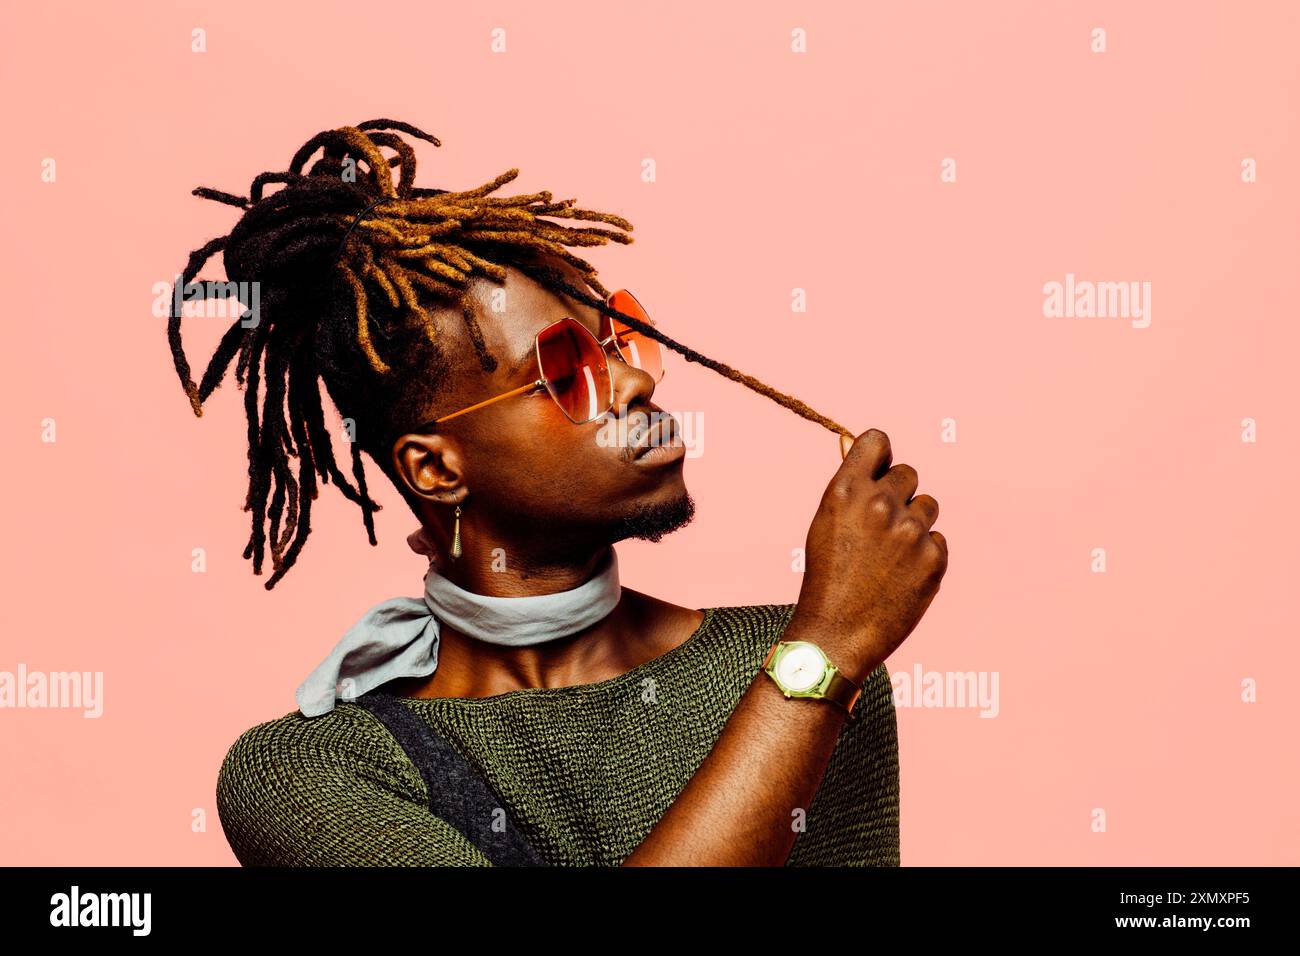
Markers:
(850, 652)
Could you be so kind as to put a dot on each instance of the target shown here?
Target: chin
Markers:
(652, 519)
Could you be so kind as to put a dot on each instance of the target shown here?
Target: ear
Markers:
(429, 465)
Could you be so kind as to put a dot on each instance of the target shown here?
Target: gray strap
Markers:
(457, 792)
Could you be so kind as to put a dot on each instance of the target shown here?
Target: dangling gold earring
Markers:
(455, 536)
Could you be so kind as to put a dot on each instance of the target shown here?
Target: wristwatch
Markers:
(802, 669)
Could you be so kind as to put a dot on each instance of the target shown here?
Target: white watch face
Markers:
(801, 668)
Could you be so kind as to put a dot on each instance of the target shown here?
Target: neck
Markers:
(638, 629)
(470, 666)
(473, 668)
(501, 571)
(501, 565)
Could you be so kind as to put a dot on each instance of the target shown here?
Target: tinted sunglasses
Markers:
(573, 364)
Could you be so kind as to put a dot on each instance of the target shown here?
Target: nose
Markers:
(632, 386)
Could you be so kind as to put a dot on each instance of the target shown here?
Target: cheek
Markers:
(545, 462)
(544, 438)
(571, 458)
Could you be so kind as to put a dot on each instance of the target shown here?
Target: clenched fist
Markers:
(871, 565)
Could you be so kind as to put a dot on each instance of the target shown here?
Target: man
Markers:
(655, 734)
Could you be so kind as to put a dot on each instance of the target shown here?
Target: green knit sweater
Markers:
(587, 770)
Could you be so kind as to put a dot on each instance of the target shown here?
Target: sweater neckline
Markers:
(610, 683)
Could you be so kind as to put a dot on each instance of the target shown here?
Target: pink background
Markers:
(776, 170)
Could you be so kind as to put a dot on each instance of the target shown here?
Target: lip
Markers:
(650, 448)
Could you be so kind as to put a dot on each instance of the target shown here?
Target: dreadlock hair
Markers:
(349, 299)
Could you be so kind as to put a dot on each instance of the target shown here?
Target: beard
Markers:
(564, 537)
(652, 522)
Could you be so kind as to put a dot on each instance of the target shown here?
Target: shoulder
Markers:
(346, 733)
(724, 629)
(747, 630)
(285, 773)
(759, 621)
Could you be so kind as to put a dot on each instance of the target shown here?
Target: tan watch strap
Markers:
(844, 692)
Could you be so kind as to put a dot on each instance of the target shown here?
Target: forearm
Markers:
(738, 808)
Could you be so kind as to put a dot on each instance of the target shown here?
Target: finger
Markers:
(902, 480)
(926, 509)
(870, 454)
(941, 541)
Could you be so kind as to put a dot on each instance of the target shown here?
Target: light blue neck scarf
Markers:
(399, 638)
